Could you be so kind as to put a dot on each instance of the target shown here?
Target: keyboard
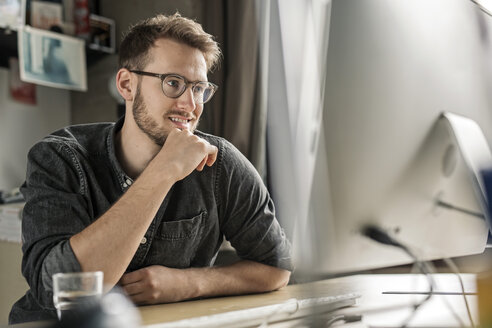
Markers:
(288, 310)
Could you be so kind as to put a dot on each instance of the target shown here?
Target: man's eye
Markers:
(173, 83)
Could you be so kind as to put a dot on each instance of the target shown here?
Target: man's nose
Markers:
(186, 101)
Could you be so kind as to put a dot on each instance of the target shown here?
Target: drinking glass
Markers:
(75, 289)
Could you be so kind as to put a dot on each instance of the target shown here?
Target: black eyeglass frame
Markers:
(162, 77)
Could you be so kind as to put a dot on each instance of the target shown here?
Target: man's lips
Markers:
(180, 121)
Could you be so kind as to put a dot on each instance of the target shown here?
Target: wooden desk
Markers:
(378, 310)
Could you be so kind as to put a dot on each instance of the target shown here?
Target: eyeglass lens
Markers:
(175, 86)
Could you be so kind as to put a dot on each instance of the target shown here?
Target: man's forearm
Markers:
(109, 243)
(159, 284)
(242, 277)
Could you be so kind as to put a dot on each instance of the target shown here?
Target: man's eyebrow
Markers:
(187, 79)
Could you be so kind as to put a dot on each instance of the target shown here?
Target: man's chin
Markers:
(158, 139)
(159, 142)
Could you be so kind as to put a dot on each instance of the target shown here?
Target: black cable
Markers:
(379, 235)
(460, 209)
(483, 8)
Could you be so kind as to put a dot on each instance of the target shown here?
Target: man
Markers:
(148, 200)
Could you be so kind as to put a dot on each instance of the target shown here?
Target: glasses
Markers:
(174, 85)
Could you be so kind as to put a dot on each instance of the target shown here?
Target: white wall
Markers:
(12, 284)
(22, 125)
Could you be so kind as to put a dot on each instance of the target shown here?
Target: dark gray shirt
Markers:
(73, 177)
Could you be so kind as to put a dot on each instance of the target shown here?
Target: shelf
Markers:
(8, 48)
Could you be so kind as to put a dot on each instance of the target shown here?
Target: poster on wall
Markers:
(44, 15)
(20, 91)
(52, 59)
(102, 35)
(12, 14)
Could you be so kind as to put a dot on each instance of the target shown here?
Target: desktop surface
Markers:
(377, 309)
(152, 314)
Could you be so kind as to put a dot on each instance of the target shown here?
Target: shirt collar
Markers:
(124, 180)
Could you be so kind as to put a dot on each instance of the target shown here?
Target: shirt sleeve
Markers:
(55, 210)
(247, 211)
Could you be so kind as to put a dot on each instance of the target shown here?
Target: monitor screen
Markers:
(405, 132)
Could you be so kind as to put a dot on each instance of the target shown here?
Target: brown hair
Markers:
(140, 38)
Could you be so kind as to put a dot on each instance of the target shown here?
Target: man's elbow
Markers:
(279, 280)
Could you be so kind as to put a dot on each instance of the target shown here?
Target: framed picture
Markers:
(44, 15)
(102, 35)
(52, 59)
(12, 13)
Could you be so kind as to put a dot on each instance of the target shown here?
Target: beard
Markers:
(147, 124)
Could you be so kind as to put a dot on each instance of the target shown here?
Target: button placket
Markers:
(140, 256)
(127, 183)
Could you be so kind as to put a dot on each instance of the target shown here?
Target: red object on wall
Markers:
(20, 91)
(81, 18)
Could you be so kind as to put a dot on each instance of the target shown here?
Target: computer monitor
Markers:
(407, 120)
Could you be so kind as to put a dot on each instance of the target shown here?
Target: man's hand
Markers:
(184, 152)
(155, 284)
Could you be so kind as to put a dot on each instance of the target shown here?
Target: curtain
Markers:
(270, 91)
(236, 112)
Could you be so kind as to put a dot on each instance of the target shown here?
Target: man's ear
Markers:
(124, 85)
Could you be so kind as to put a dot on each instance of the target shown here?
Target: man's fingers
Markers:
(129, 278)
(212, 157)
(140, 298)
(133, 289)
(202, 164)
(188, 151)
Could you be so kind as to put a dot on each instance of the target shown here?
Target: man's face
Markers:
(155, 113)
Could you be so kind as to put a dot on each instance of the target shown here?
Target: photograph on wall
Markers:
(52, 59)
(45, 15)
(102, 33)
(20, 91)
(12, 14)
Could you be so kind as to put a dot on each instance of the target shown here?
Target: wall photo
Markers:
(102, 36)
(52, 59)
(46, 14)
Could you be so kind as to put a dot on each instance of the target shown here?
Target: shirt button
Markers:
(143, 241)
(128, 182)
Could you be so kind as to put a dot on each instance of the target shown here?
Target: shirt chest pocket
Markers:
(175, 242)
